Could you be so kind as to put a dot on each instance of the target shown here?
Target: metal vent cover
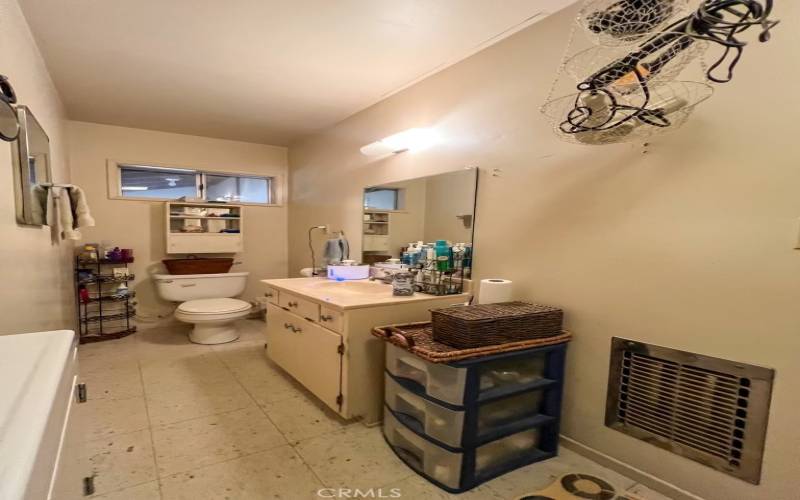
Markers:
(709, 410)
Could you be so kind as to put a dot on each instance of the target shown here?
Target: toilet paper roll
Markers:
(495, 290)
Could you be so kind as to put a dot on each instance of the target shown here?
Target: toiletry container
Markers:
(442, 255)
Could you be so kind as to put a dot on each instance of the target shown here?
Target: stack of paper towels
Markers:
(495, 290)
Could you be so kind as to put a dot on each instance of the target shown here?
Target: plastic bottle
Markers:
(442, 255)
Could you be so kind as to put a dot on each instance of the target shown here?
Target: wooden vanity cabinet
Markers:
(330, 350)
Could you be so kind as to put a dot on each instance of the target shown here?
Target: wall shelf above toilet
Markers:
(204, 227)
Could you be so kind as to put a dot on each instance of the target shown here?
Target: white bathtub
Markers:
(38, 372)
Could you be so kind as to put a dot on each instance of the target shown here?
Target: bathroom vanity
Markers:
(319, 331)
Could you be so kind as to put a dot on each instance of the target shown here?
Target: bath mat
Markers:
(577, 486)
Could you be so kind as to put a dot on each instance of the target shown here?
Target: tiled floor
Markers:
(168, 419)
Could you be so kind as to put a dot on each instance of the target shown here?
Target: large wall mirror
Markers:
(398, 215)
(31, 155)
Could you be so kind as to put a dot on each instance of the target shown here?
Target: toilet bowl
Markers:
(206, 302)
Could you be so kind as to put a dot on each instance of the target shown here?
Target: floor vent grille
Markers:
(710, 410)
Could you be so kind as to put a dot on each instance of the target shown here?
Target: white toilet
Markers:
(206, 302)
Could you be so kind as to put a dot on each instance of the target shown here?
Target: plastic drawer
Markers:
(436, 421)
(439, 381)
(421, 455)
(447, 425)
(500, 453)
(445, 466)
(508, 372)
(448, 383)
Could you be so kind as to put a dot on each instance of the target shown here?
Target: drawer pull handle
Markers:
(326, 317)
(268, 294)
(288, 326)
(292, 304)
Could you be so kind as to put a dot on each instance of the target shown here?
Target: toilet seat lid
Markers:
(214, 306)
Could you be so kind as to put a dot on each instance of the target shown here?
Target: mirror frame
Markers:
(20, 155)
(476, 171)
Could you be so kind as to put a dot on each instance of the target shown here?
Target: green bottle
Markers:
(442, 255)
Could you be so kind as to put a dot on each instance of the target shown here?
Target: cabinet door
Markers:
(308, 352)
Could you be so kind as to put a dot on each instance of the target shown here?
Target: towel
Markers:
(52, 218)
(65, 210)
(79, 208)
(39, 197)
(65, 217)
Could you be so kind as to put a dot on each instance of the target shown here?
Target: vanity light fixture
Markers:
(413, 139)
(134, 188)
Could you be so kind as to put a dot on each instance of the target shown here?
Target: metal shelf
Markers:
(103, 306)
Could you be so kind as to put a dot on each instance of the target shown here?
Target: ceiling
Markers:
(265, 71)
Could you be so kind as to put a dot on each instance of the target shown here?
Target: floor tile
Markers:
(118, 382)
(195, 400)
(100, 418)
(277, 473)
(537, 476)
(146, 491)
(207, 440)
(416, 487)
(166, 375)
(110, 354)
(646, 493)
(303, 417)
(168, 343)
(262, 378)
(116, 462)
(356, 457)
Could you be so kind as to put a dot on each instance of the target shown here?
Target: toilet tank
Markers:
(183, 287)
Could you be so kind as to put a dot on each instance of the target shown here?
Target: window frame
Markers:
(398, 206)
(114, 168)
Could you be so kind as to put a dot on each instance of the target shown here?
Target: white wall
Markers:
(37, 291)
(688, 246)
(140, 224)
(447, 196)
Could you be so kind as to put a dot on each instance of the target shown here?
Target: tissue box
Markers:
(342, 273)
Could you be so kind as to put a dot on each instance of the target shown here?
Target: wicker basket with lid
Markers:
(489, 324)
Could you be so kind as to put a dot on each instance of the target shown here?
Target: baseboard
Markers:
(640, 476)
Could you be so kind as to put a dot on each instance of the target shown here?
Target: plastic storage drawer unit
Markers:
(462, 423)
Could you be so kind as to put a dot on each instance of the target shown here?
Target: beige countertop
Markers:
(350, 294)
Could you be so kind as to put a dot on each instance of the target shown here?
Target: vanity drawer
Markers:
(298, 305)
(272, 295)
(331, 318)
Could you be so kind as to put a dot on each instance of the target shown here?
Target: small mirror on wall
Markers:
(31, 156)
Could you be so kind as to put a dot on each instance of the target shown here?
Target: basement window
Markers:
(148, 182)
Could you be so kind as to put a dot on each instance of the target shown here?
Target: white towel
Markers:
(79, 208)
